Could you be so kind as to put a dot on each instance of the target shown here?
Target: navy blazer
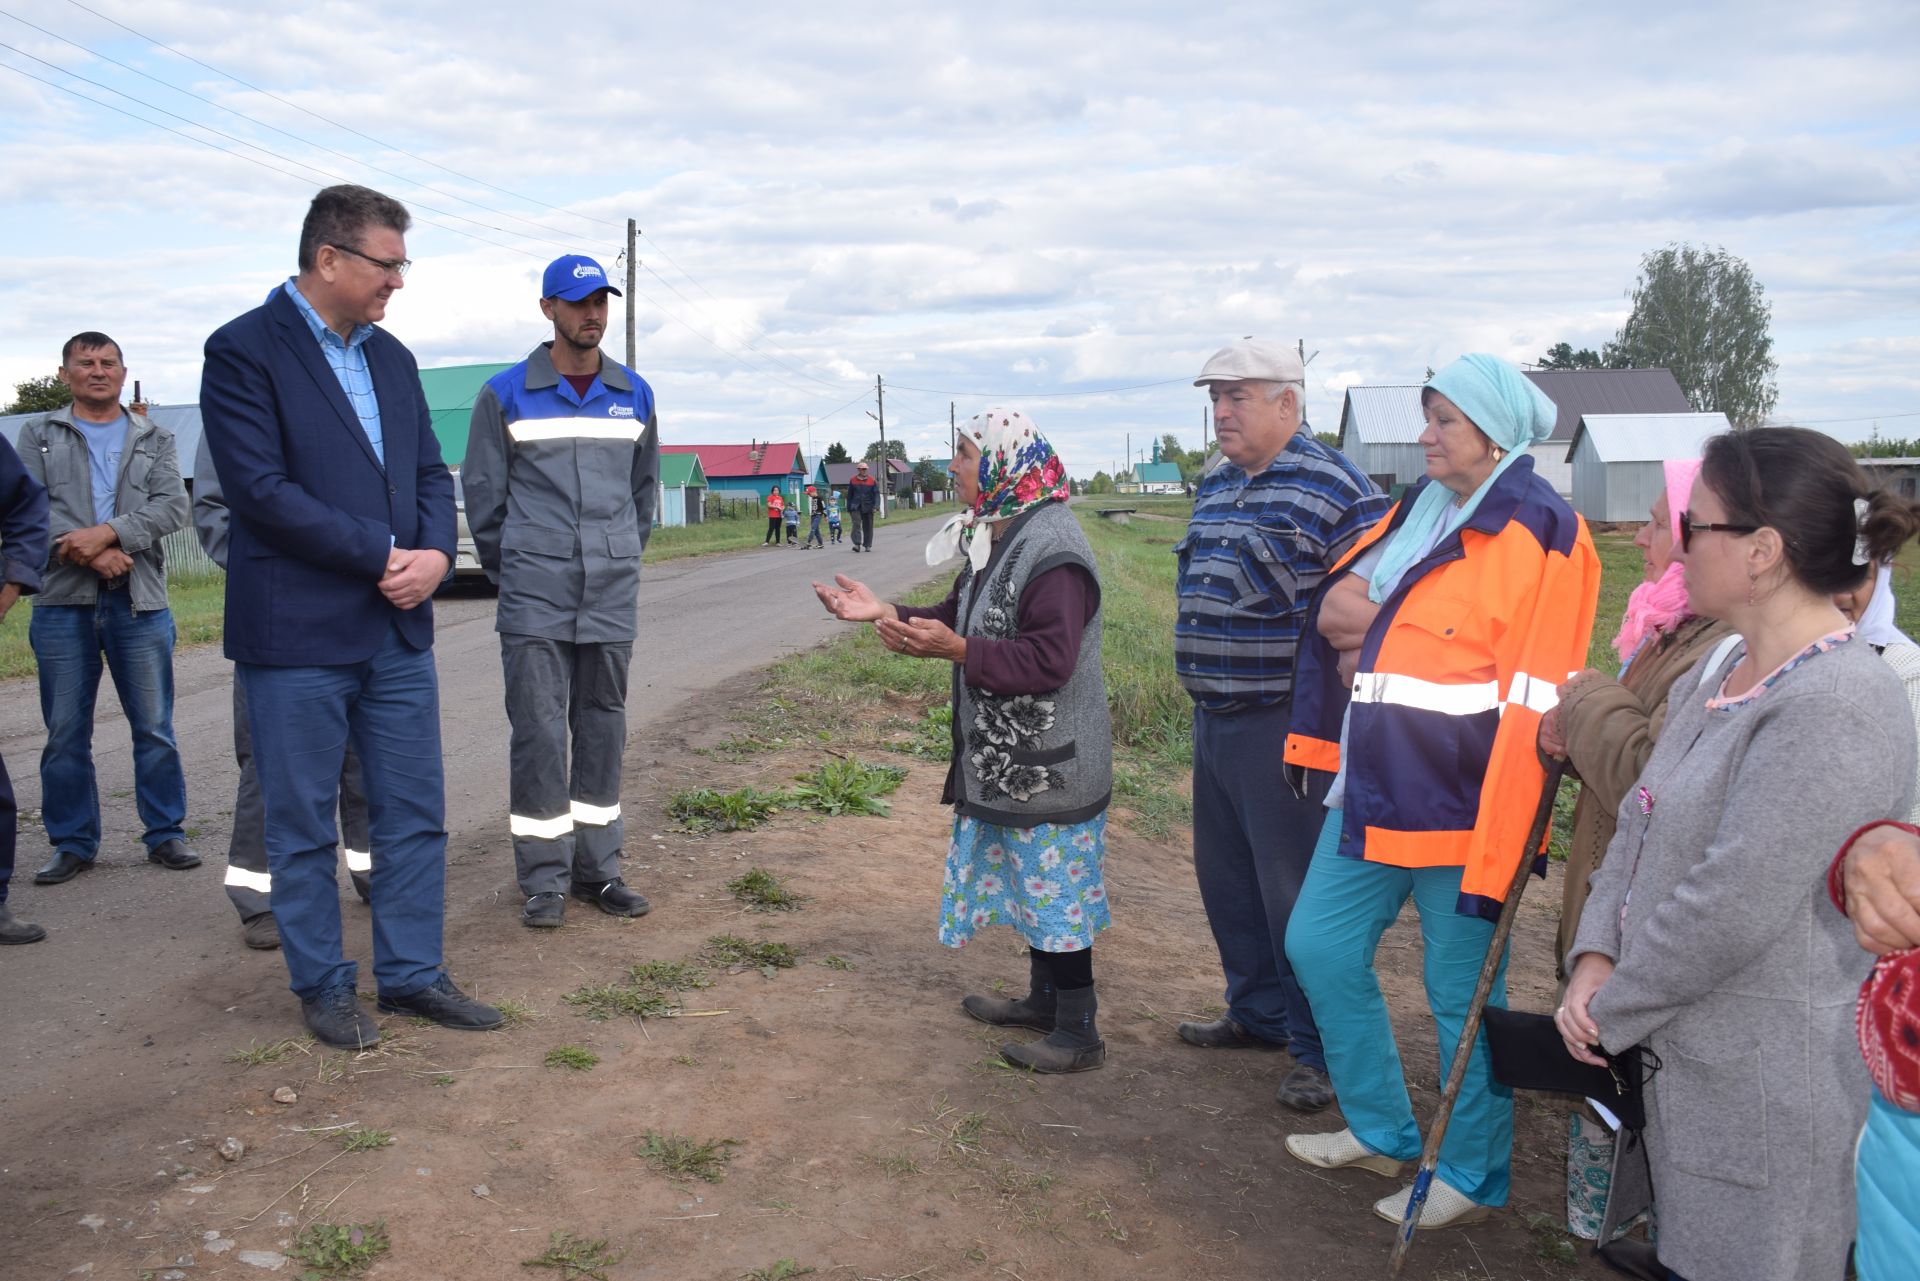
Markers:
(314, 514)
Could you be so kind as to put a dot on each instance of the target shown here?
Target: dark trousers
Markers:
(302, 719)
(773, 531)
(862, 529)
(9, 828)
(1252, 844)
(564, 813)
(813, 534)
(249, 879)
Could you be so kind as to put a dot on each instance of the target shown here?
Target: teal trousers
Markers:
(1343, 909)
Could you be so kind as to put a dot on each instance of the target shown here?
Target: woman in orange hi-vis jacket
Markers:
(1453, 622)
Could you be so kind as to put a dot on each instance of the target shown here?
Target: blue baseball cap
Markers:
(574, 277)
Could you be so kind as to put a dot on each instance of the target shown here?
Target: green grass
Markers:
(845, 786)
(340, 1249)
(739, 534)
(779, 1270)
(702, 809)
(731, 950)
(198, 603)
(573, 1256)
(361, 1139)
(679, 1157)
(650, 992)
(577, 1057)
(258, 1055)
(762, 891)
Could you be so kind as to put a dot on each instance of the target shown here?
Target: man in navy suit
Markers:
(342, 527)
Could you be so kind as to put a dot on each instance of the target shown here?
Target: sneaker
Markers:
(335, 1018)
(544, 911)
(613, 897)
(1341, 1151)
(443, 1003)
(1446, 1207)
(261, 932)
(1305, 1089)
(12, 931)
(175, 855)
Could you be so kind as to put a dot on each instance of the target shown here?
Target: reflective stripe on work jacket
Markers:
(262, 882)
(1456, 671)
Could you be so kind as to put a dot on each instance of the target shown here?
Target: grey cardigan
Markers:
(149, 498)
(1734, 968)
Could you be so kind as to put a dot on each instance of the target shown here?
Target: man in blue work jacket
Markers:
(562, 475)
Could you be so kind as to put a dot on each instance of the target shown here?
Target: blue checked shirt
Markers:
(1256, 549)
(348, 360)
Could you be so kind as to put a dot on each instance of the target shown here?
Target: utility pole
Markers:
(953, 440)
(881, 464)
(632, 231)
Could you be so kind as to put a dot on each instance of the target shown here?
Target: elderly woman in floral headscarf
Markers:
(1031, 768)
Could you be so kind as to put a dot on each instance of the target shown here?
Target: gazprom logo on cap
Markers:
(586, 270)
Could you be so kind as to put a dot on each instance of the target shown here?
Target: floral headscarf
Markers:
(1018, 472)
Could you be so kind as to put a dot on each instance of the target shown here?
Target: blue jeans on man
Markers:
(301, 719)
(71, 644)
(1252, 844)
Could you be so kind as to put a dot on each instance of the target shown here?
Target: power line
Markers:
(1865, 418)
(335, 123)
(1038, 395)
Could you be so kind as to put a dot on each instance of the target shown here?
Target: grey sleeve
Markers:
(1786, 809)
(483, 479)
(164, 508)
(646, 477)
(210, 515)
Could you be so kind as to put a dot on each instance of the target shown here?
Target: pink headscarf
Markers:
(1662, 604)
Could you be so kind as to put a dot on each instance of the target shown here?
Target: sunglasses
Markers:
(1688, 529)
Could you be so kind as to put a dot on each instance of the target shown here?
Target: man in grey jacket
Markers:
(114, 492)
(249, 878)
(562, 474)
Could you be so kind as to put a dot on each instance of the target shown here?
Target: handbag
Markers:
(1529, 1054)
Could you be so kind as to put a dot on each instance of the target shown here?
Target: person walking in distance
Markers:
(775, 506)
(816, 512)
(562, 475)
(113, 492)
(342, 527)
(863, 495)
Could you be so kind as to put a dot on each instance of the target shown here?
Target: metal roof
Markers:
(677, 470)
(1157, 473)
(1645, 438)
(1385, 415)
(1579, 392)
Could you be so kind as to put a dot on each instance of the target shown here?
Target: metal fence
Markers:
(185, 559)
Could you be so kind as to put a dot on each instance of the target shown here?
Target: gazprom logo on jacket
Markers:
(619, 411)
(586, 270)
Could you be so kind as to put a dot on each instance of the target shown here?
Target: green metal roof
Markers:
(1157, 473)
(681, 469)
(451, 391)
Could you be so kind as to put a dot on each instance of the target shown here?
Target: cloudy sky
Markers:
(1061, 206)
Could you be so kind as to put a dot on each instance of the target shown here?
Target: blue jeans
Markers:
(9, 827)
(69, 643)
(1252, 841)
(1344, 908)
(301, 719)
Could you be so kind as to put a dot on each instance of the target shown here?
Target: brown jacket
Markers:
(1610, 727)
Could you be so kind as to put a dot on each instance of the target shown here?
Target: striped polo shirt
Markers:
(1255, 550)
(348, 360)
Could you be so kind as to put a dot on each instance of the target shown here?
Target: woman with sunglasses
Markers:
(1705, 938)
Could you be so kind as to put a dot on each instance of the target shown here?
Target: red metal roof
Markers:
(725, 461)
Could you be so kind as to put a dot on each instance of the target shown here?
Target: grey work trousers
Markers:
(249, 883)
(565, 822)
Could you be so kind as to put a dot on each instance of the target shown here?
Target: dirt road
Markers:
(129, 942)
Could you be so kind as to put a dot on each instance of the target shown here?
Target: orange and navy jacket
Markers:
(1456, 671)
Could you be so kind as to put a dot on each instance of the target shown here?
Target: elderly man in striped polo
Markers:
(561, 477)
(1268, 523)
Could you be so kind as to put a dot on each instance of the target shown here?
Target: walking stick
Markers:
(1470, 1031)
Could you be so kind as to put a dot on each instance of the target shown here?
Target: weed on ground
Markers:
(702, 809)
(340, 1249)
(683, 1158)
(575, 1256)
(577, 1057)
(650, 992)
(732, 951)
(846, 786)
(257, 1055)
(762, 891)
(780, 1270)
(361, 1139)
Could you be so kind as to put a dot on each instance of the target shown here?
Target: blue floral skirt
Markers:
(1047, 882)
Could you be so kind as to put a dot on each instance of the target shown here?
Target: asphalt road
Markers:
(129, 942)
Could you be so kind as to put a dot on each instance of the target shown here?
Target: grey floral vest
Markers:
(1024, 759)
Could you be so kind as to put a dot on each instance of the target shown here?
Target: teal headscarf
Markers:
(1510, 411)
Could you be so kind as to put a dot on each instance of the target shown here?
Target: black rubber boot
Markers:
(1035, 1010)
(1074, 1045)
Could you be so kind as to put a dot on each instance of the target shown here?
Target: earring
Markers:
(1498, 453)
(1753, 583)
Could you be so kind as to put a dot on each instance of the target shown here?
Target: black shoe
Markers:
(1224, 1034)
(362, 885)
(1074, 1045)
(544, 911)
(261, 932)
(613, 897)
(63, 866)
(443, 1003)
(1034, 1010)
(175, 855)
(335, 1018)
(1305, 1089)
(12, 931)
